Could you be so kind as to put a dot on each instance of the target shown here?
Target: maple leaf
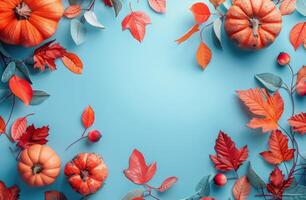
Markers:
(268, 109)
(189, 33)
(88, 117)
(200, 12)
(203, 55)
(11, 193)
(33, 136)
(73, 11)
(216, 3)
(298, 122)
(168, 183)
(21, 88)
(139, 172)
(279, 151)
(278, 184)
(298, 35)
(287, 7)
(241, 188)
(136, 21)
(158, 5)
(46, 55)
(228, 157)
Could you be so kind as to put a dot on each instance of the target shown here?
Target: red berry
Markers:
(94, 136)
(283, 58)
(207, 198)
(220, 179)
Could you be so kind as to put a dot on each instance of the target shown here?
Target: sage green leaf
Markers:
(78, 31)
(21, 66)
(39, 97)
(3, 51)
(270, 81)
(301, 7)
(92, 19)
(117, 5)
(217, 32)
(74, 2)
(133, 194)
(203, 187)
(255, 179)
(8, 72)
(297, 192)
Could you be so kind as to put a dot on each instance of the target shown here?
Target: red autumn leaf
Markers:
(139, 172)
(2, 125)
(19, 127)
(278, 184)
(46, 55)
(278, 149)
(167, 184)
(266, 108)
(136, 22)
(88, 117)
(216, 3)
(72, 62)
(241, 189)
(200, 12)
(189, 33)
(228, 157)
(298, 35)
(298, 122)
(33, 136)
(158, 5)
(301, 81)
(73, 11)
(108, 3)
(21, 88)
(11, 193)
(203, 55)
(287, 7)
(55, 195)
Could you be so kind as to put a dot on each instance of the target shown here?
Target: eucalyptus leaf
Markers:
(203, 187)
(217, 32)
(117, 5)
(255, 179)
(297, 192)
(133, 194)
(78, 31)
(8, 72)
(24, 70)
(3, 51)
(74, 2)
(39, 97)
(92, 19)
(301, 7)
(270, 81)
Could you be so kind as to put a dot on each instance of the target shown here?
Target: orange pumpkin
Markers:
(253, 24)
(29, 22)
(39, 165)
(86, 173)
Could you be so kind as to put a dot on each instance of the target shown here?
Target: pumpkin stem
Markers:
(36, 169)
(23, 11)
(84, 175)
(254, 24)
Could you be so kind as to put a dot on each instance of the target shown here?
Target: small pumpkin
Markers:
(253, 24)
(86, 173)
(29, 22)
(39, 165)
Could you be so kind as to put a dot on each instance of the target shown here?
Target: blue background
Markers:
(151, 96)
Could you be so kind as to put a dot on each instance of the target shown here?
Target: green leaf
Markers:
(39, 97)
(217, 32)
(91, 18)
(270, 81)
(78, 31)
(254, 179)
(24, 70)
(133, 194)
(8, 72)
(297, 192)
(3, 51)
(73, 2)
(117, 5)
(301, 7)
(203, 187)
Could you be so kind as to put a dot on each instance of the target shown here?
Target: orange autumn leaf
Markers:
(287, 7)
(72, 62)
(203, 55)
(216, 3)
(266, 108)
(21, 88)
(2, 125)
(298, 35)
(278, 149)
(189, 33)
(298, 122)
(200, 12)
(241, 188)
(73, 11)
(88, 117)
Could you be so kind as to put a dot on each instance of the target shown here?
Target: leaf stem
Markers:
(81, 138)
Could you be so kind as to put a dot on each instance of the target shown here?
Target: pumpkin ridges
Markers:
(49, 12)
(235, 27)
(245, 6)
(47, 27)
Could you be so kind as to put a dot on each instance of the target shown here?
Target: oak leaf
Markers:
(298, 122)
(241, 188)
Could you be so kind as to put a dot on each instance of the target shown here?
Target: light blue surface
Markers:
(151, 96)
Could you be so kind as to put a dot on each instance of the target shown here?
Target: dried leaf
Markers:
(241, 188)
(189, 33)
(228, 157)
(73, 11)
(298, 122)
(298, 35)
(21, 88)
(11, 193)
(72, 62)
(139, 172)
(167, 184)
(200, 12)
(32, 136)
(268, 109)
(158, 6)
(203, 55)
(136, 22)
(287, 7)
(88, 117)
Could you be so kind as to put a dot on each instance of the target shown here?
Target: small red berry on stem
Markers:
(220, 179)
(94, 136)
(283, 58)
